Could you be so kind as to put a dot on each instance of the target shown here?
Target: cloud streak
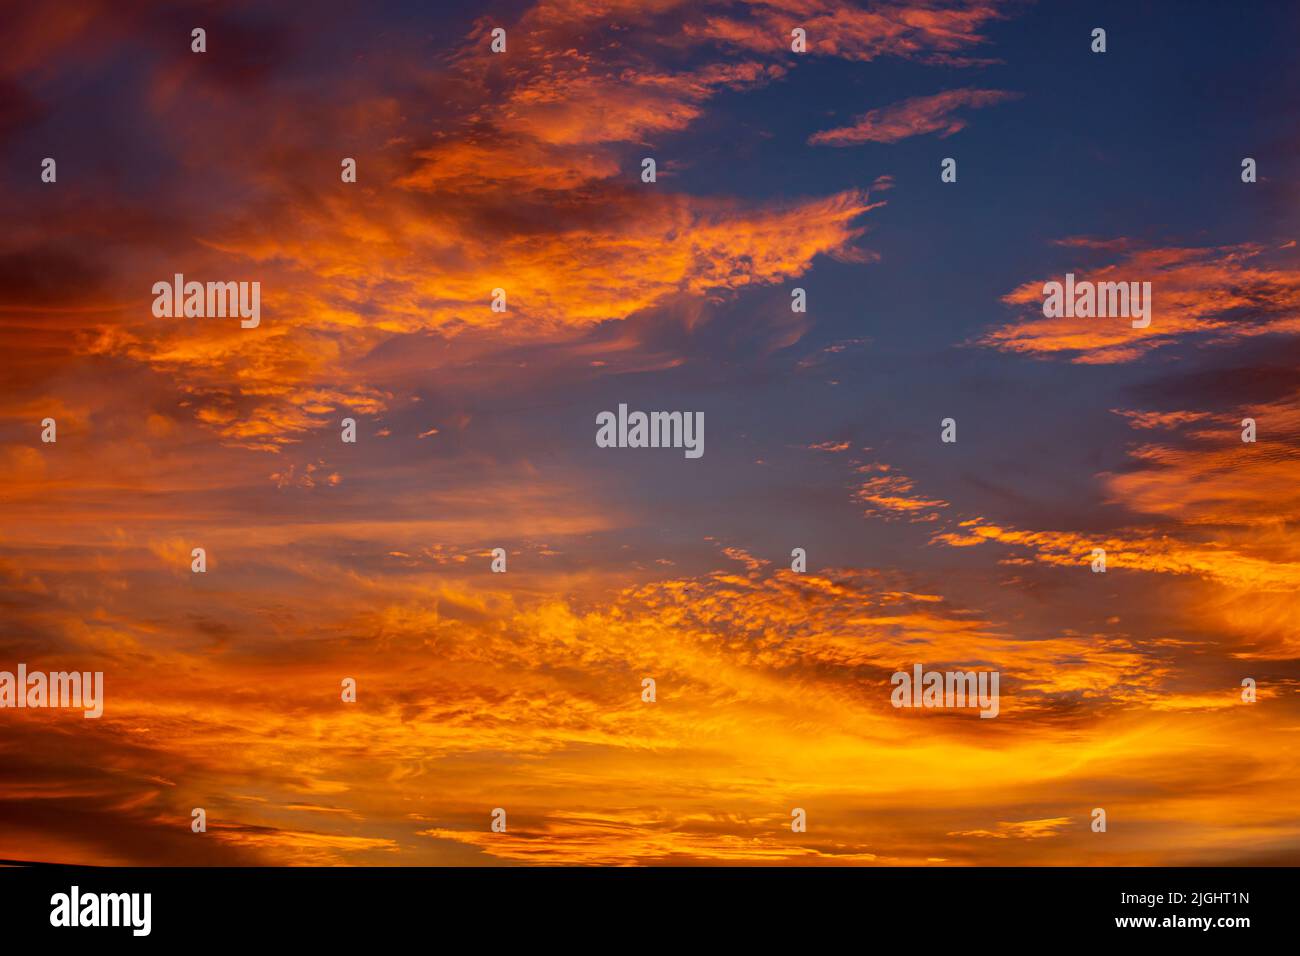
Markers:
(917, 116)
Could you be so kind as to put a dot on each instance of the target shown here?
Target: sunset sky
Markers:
(475, 430)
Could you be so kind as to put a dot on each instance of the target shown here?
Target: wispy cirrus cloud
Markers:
(1213, 294)
(763, 675)
(530, 184)
(917, 116)
(939, 34)
(891, 494)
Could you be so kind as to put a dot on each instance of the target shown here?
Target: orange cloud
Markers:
(891, 495)
(772, 693)
(1220, 293)
(841, 29)
(912, 117)
(1023, 829)
(524, 690)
